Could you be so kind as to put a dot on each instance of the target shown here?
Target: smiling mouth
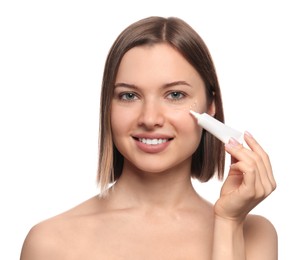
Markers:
(154, 141)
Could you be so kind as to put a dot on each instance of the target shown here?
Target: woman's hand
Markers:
(250, 180)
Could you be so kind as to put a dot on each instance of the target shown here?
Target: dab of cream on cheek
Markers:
(195, 107)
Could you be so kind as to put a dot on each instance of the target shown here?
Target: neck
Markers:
(171, 189)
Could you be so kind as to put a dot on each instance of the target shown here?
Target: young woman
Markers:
(150, 148)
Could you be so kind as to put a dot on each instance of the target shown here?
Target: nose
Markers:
(151, 115)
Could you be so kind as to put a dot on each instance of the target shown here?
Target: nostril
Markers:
(151, 119)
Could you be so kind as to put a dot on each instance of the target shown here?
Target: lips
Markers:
(152, 144)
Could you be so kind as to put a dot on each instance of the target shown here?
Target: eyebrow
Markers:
(167, 85)
(176, 83)
(125, 85)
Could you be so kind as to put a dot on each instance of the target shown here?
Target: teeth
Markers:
(152, 141)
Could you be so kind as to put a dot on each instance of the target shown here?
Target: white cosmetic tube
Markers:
(217, 128)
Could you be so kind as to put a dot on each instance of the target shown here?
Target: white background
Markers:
(51, 60)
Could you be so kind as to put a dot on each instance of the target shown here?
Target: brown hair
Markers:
(209, 158)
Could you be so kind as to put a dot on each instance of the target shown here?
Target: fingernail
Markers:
(232, 142)
(248, 134)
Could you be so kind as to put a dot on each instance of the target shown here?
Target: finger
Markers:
(233, 142)
(256, 147)
(250, 164)
(252, 183)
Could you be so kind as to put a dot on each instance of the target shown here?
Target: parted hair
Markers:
(209, 158)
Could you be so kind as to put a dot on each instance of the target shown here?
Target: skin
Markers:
(153, 211)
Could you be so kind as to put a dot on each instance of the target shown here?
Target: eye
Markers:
(176, 95)
(127, 96)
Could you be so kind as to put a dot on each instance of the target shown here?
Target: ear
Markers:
(212, 108)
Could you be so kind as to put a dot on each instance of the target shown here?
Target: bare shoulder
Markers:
(39, 242)
(47, 239)
(261, 238)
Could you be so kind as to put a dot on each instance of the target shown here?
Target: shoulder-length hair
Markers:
(209, 158)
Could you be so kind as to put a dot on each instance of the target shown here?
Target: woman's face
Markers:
(152, 128)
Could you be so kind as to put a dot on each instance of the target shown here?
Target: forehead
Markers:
(158, 63)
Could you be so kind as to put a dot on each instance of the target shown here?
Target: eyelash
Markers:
(124, 96)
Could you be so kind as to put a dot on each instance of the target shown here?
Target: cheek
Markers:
(117, 121)
(199, 106)
(186, 125)
(121, 119)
